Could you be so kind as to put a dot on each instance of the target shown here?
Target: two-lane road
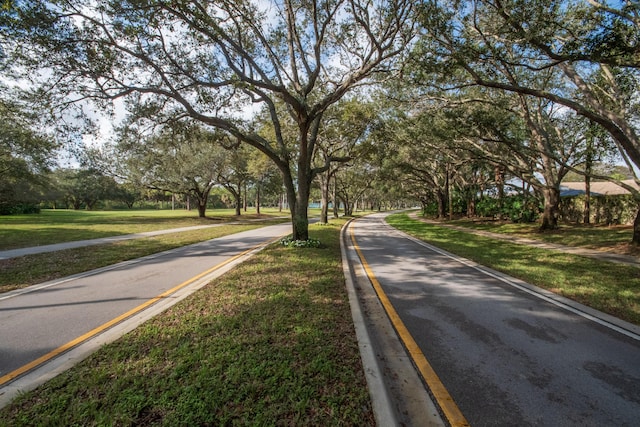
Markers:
(506, 355)
(42, 321)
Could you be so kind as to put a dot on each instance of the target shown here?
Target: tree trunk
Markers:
(499, 178)
(348, 208)
(636, 229)
(299, 213)
(202, 208)
(587, 181)
(324, 208)
(298, 204)
(471, 207)
(238, 196)
(450, 200)
(550, 214)
(336, 202)
(346, 205)
(442, 203)
(258, 199)
(586, 215)
(202, 203)
(244, 200)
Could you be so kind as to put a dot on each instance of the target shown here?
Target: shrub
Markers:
(288, 242)
(18, 208)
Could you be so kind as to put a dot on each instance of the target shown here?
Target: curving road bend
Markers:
(507, 352)
(48, 322)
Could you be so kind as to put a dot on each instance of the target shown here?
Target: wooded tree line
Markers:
(433, 101)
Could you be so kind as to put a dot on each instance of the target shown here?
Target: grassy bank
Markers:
(266, 344)
(56, 226)
(611, 288)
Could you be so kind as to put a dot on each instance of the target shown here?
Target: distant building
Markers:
(606, 188)
(610, 203)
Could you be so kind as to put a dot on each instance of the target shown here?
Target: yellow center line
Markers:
(65, 347)
(445, 401)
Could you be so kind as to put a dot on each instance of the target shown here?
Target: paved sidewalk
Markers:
(13, 253)
(603, 256)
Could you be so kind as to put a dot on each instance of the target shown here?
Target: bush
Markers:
(617, 209)
(18, 208)
(517, 208)
(288, 242)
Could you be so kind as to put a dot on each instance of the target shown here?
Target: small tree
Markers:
(233, 175)
(264, 176)
(180, 157)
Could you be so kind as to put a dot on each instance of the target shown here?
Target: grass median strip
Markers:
(608, 287)
(269, 343)
(16, 273)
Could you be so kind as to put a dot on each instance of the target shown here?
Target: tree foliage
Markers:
(26, 154)
(179, 157)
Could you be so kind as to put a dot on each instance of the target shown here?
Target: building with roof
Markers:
(604, 188)
(610, 203)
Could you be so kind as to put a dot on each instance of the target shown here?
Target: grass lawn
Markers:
(56, 226)
(611, 288)
(614, 238)
(266, 344)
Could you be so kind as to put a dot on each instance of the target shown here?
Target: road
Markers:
(41, 323)
(506, 352)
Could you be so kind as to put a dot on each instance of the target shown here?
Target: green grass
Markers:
(615, 238)
(266, 344)
(611, 288)
(56, 226)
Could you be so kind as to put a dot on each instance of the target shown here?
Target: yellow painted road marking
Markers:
(448, 406)
(45, 358)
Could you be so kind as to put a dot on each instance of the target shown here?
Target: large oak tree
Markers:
(214, 61)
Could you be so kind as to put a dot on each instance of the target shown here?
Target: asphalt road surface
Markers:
(41, 319)
(507, 353)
